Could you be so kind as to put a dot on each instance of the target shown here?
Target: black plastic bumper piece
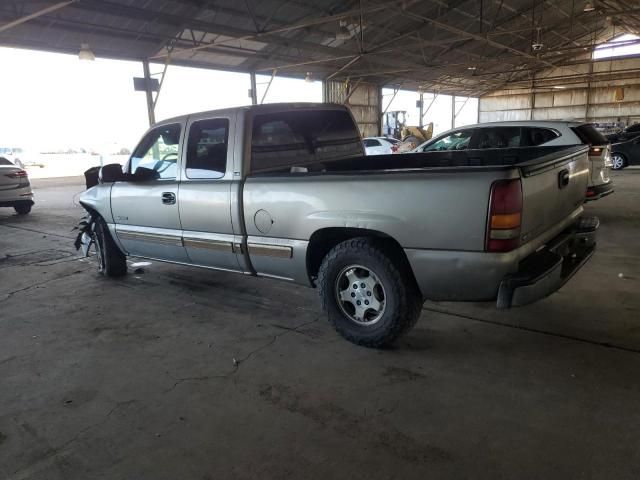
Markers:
(13, 203)
(545, 271)
(599, 191)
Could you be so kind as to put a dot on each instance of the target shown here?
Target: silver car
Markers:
(530, 134)
(15, 189)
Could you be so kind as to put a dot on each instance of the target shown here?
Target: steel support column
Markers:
(253, 90)
(149, 93)
(453, 111)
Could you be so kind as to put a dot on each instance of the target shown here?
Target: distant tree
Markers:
(124, 151)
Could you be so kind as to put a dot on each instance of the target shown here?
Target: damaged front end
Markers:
(86, 234)
(86, 237)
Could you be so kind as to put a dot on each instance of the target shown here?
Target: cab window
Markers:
(158, 151)
(454, 141)
(207, 148)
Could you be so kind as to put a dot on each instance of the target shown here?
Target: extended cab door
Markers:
(145, 212)
(206, 194)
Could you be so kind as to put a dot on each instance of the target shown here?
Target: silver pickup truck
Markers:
(285, 191)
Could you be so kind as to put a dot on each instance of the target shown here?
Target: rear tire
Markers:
(22, 208)
(359, 271)
(619, 161)
(111, 261)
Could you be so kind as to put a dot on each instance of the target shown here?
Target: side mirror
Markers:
(110, 173)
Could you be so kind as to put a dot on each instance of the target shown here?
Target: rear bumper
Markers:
(598, 191)
(21, 194)
(545, 271)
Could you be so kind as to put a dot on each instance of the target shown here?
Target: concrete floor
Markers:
(178, 373)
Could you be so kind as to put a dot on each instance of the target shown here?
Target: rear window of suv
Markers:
(534, 136)
(589, 135)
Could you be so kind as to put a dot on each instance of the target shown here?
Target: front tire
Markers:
(369, 295)
(619, 161)
(111, 261)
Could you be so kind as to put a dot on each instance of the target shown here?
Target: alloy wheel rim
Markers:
(360, 295)
(617, 162)
(99, 254)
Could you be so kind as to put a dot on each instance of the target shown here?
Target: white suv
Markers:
(531, 134)
(15, 189)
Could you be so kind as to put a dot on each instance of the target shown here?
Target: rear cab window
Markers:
(207, 149)
(298, 138)
(589, 135)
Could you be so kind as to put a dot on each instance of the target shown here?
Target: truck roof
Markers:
(264, 108)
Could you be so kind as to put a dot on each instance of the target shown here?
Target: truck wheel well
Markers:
(322, 241)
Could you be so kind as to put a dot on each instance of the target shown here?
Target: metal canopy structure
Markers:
(462, 47)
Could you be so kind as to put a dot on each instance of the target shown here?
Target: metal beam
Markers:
(266, 90)
(297, 26)
(149, 93)
(253, 90)
(474, 36)
(37, 14)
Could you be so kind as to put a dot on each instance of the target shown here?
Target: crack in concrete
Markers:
(38, 231)
(535, 330)
(238, 362)
(55, 451)
(10, 294)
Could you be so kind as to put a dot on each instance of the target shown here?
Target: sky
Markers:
(51, 102)
(606, 52)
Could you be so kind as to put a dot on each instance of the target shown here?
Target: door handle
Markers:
(563, 178)
(168, 198)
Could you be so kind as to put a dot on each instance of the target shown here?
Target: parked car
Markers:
(380, 145)
(15, 189)
(284, 191)
(531, 134)
(626, 153)
(628, 133)
(19, 157)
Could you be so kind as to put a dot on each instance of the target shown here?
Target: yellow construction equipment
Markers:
(411, 136)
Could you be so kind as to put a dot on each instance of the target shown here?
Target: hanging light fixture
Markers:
(85, 53)
(537, 45)
(343, 32)
(309, 77)
(588, 7)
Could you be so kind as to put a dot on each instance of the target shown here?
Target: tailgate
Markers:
(553, 188)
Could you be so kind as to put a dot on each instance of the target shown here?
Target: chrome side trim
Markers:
(278, 251)
(150, 237)
(217, 245)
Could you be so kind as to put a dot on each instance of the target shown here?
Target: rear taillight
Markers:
(595, 151)
(18, 174)
(394, 148)
(505, 216)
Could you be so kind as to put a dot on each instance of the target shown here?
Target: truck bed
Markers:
(503, 157)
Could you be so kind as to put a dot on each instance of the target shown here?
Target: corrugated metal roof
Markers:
(452, 46)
